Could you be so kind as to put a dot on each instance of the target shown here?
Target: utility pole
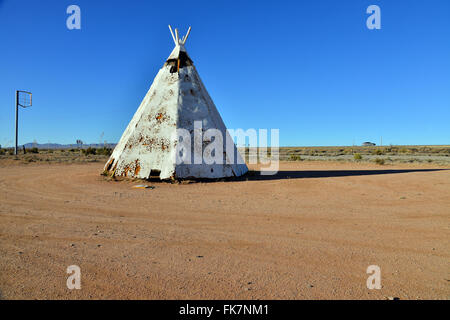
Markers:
(26, 103)
(17, 120)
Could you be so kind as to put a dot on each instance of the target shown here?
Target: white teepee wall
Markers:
(176, 99)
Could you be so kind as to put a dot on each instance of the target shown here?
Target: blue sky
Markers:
(309, 68)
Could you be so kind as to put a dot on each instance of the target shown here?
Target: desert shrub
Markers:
(378, 152)
(357, 156)
(295, 157)
(33, 150)
(50, 151)
(394, 149)
(425, 150)
(89, 151)
(104, 151)
(2, 151)
(379, 161)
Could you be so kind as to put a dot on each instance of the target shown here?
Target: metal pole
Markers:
(17, 119)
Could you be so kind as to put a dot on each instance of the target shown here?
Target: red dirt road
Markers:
(308, 233)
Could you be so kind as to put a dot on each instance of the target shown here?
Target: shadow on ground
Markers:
(300, 174)
(255, 175)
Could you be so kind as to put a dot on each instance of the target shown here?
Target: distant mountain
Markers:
(66, 146)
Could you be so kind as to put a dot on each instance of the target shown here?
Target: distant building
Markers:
(368, 144)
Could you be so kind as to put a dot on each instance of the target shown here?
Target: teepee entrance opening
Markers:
(154, 174)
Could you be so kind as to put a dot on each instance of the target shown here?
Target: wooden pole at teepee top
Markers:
(187, 35)
(171, 32)
(176, 35)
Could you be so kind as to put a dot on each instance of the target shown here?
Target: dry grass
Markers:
(52, 156)
(439, 155)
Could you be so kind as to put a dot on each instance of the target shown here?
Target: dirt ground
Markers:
(309, 232)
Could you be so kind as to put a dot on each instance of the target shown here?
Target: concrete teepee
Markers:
(169, 136)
